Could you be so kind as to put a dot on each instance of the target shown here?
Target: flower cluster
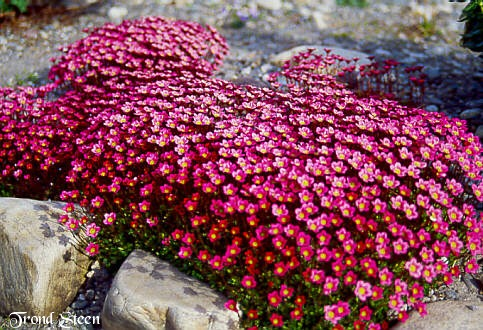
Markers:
(307, 205)
(384, 79)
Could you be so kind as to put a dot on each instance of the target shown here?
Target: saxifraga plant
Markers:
(307, 205)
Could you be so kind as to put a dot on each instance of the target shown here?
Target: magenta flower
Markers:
(363, 290)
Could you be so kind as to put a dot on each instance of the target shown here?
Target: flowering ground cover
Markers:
(308, 205)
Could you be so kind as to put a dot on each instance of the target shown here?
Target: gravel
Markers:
(425, 34)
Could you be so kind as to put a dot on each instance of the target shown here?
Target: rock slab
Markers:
(446, 315)
(148, 293)
(40, 269)
(280, 58)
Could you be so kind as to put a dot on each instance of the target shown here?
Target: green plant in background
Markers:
(13, 5)
(427, 27)
(352, 3)
(26, 79)
(472, 15)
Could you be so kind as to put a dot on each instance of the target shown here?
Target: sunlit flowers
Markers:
(299, 195)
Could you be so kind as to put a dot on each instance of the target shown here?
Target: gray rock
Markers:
(432, 108)
(117, 13)
(475, 103)
(320, 19)
(40, 270)
(446, 315)
(432, 73)
(148, 293)
(471, 113)
(270, 4)
(382, 52)
(280, 58)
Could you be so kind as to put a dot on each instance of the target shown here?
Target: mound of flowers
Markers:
(309, 206)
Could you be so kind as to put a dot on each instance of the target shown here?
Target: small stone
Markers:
(475, 103)
(432, 108)
(117, 13)
(452, 294)
(270, 4)
(90, 294)
(471, 113)
(246, 71)
(382, 52)
(79, 304)
(432, 73)
(320, 20)
(267, 68)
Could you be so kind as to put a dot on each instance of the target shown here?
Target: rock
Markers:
(446, 315)
(479, 132)
(471, 113)
(382, 53)
(280, 58)
(182, 3)
(432, 73)
(475, 103)
(432, 108)
(148, 293)
(67, 4)
(270, 4)
(117, 13)
(320, 20)
(40, 270)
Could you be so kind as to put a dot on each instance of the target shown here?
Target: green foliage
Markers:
(11, 5)
(6, 191)
(352, 3)
(26, 79)
(472, 15)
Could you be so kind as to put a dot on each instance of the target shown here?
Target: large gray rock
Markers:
(446, 315)
(40, 270)
(148, 293)
(280, 58)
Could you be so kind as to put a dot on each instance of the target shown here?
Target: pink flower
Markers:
(274, 298)
(276, 320)
(331, 285)
(363, 290)
(109, 218)
(231, 305)
(249, 282)
(334, 313)
(400, 246)
(317, 276)
(185, 252)
(414, 268)
(92, 230)
(286, 291)
(97, 202)
(92, 249)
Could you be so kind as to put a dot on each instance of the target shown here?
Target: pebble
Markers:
(270, 4)
(79, 303)
(117, 13)
(471, 113)
(475, 103)
(320, 20)
(432, 108)
(433, 73)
